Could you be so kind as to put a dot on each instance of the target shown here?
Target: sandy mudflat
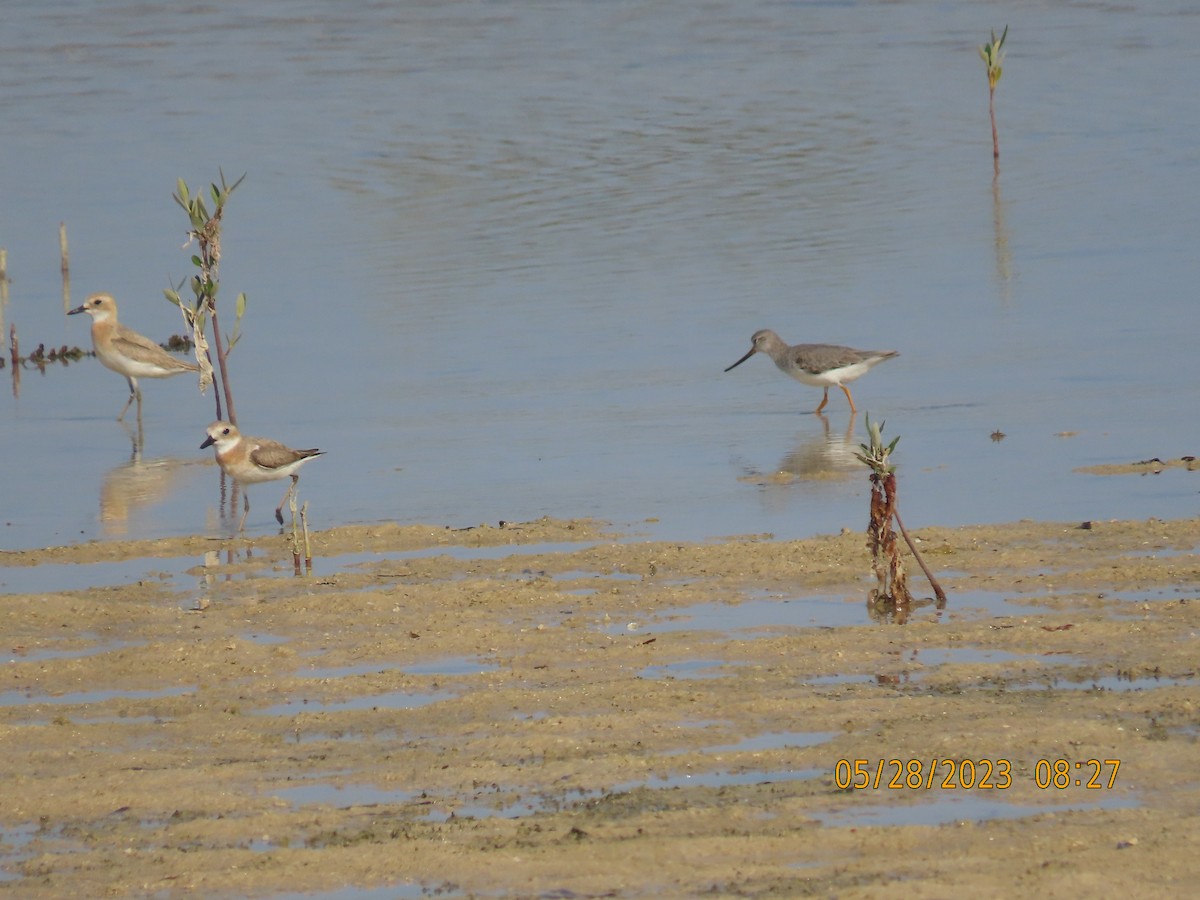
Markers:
(549, 710)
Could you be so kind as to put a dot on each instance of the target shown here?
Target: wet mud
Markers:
(549, 709)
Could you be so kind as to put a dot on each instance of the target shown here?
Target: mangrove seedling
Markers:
(993, 56)
(205, 230)
(891, 581)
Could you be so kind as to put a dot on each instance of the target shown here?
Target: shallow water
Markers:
(76, 576)
(388, 700)
(498, 255)
(772, 613)
(87, 699)
(963, 808)
(967, 807)
(398, 891)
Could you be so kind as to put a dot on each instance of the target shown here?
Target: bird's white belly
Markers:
(249, 472)
(831, 377)
(126, 366)
(252, 474)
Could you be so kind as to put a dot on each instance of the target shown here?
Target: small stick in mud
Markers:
(307, 544)
(66, 265)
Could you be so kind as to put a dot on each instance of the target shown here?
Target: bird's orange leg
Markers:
(824, 400)
(848, 397)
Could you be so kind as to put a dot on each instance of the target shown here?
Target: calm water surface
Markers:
(498, 254)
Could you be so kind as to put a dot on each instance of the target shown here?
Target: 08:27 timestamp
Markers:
(1059, 774)
(969, 774)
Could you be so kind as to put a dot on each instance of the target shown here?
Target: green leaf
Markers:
(182, 188)
(197, 261)
(173, 296)
(241, 305)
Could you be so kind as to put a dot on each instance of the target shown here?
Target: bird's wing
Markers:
(273, 455)
(138, 347)
(818, 358)
(127, 339)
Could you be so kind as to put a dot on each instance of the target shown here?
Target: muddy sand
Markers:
(551, 710)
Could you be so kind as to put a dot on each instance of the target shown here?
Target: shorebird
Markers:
(125, 351)
(819, 365)
(251, 460)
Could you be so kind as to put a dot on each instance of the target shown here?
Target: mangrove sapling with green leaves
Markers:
(205, 230)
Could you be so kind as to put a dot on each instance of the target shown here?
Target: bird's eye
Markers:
(224, 431)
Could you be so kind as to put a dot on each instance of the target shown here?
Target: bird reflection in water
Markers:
(815, 457)
(137, 484)
(827, 455)
(817, 461)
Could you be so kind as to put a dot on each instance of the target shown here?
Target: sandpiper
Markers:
(125, 351)
(251, 460)
(819, 365)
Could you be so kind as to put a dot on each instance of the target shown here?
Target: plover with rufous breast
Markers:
(125, 351)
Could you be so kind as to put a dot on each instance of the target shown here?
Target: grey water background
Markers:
(497, 255)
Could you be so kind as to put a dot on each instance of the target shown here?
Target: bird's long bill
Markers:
(76, 311)
(208, 442)
(753, 350)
